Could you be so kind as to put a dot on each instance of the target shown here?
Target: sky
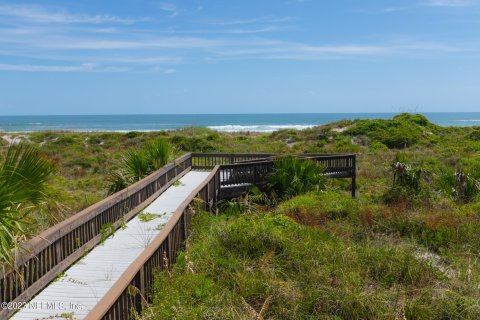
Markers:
(250, 56)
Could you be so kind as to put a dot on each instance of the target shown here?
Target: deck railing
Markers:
(238, 170)
(206, 161)
(50, 253)
(134, 289)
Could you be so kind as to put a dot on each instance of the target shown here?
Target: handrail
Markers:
(253, 171)
(51, 252)
(209, 160)
(133, 289)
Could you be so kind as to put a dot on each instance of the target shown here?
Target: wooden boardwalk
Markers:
(77, 291)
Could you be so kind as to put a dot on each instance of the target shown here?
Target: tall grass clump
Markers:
(250, 202)
(460, 185)
(24, 174)
(292, 176)
(407, 182)
(316, 208)
(138, 163)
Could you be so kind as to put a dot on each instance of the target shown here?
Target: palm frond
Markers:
(135, 165)
(158, 153)
(23, 178)
(139, 163)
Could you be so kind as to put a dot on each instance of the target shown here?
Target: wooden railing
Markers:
(206, 161)
(50, 253)
(247, 169)
(134, 289)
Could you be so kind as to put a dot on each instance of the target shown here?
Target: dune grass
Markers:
(280, 266)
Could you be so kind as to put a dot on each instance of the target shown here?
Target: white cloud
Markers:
(450, 3)
(46, 47)
(38, 14)
(256, 20)
(395, 9)
(170, 8)
(86, 67)
(169, 71)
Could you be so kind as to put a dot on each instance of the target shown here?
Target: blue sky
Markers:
(204, 56)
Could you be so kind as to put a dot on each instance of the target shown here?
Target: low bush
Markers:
(292, 176)
(317, 208)
(407, 183)
(460, 185)
(402, 131)
(136, 164)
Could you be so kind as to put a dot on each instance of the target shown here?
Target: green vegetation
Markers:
(407, 247)
(292, 176)
(237, 267)
(147, 217)
(325, 255)
(24, 174)
(136, 164)
(107, 230)
(402, 131)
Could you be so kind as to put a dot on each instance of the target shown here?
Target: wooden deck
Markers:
(77, 291)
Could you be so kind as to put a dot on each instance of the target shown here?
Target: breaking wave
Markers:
(260, 127)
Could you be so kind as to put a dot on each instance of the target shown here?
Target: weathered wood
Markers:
(254, 171)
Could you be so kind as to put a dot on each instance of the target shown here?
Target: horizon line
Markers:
(232, 114)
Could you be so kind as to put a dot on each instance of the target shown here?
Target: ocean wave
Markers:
(260, 127)
(470, 120)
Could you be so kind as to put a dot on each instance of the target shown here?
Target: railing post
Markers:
(354, 176)
(142, 281)
(207, 197)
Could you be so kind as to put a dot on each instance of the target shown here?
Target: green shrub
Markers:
(252, 237)
(193, 144)
(24, 177)
(474, 135)
(190, 296)
(316, 208)
(408, 183)
(132, 134)
(402, 131)
(292, 176)
(378, 146)
(157, 153)
(459, 185)
(419, 119)
(136, 164)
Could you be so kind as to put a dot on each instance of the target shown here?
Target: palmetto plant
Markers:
(158, 154)
(24, 173)
(292, 176)
(139, 163)
(460, 185)
(405, 175)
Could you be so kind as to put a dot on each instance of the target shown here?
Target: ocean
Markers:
(220, 122)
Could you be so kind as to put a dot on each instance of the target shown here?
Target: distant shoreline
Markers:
(265, 123)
